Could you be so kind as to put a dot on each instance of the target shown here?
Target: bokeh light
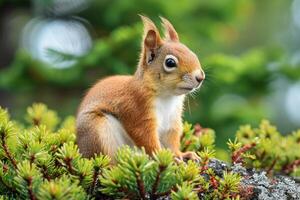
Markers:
(292, 103)
(296, 12)
(44, 37)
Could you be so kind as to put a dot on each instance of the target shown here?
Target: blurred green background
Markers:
(52, 51)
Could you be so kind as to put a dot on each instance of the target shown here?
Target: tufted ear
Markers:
(170, 32)
(151, 39)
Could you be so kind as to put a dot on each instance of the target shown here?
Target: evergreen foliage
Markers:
(240, 71)
(40, 160)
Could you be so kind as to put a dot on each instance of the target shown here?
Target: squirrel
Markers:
(144, 109)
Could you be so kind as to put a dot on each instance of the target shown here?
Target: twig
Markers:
(32, 158)
(288, 168)
(69, 165)
(81, 177)
(30, 192)
(262, 156)
(45, 172)
(163, 193)
(141, 186)
(127, 193)
(204, 165)
(156, 182)
(95, 178)
(36, 121)
(236, 155)
(199, 189)
(7, 152)
(214, 183)
(272, 166)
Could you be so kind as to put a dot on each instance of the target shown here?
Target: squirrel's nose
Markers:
(200, 76)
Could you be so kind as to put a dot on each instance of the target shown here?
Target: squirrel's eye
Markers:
(170, 63)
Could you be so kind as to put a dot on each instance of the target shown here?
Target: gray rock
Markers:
(265, 188)
(218, 166)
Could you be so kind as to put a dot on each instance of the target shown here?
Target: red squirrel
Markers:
(144, 109)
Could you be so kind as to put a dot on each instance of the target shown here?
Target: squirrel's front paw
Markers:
(189, 155)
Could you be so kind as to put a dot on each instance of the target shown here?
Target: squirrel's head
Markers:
(166, 64)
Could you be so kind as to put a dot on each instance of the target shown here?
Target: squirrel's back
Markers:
(110, 111)
(106, 91)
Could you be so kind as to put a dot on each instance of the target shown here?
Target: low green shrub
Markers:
(40, 160)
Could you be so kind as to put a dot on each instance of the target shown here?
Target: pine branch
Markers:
(199, 189)
(166, 193)
(262, 156)
(288, 168)
(95, 178)
(10, 188)
(127, 193)
(32, 158)
(81, 177)
(36, 121)
(236, 156)
(157, 195)
(45, 172)
(141, 186)
(153, 194)
(69, 165)
(272, 165)
(7, 152)
(204, 165)
(213, 181)
(30, 191)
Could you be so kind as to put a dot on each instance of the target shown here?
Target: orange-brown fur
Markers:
(131, 99)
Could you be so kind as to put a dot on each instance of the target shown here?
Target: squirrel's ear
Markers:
(151, 39)
(170, 32)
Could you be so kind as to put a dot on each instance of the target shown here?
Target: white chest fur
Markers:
(166, 110)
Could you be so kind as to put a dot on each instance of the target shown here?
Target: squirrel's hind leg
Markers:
(101, 134)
